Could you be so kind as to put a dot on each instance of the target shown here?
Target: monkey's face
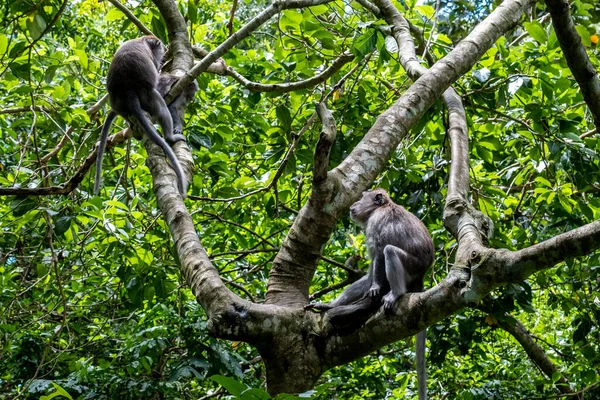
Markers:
(369, 202)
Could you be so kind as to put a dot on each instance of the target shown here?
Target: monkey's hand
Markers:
(318, 307)
(375, 291)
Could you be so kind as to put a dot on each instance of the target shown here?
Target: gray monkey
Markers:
(401, 252)
(133, 87)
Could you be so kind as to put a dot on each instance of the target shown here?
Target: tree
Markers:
(517, 201)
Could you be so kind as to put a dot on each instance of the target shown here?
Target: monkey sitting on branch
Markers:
(134, 86)
(401, 252)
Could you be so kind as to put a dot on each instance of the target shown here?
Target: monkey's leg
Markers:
(396, 263)
(157, 107)
(177, 107)
(354, 292)
(137, 113)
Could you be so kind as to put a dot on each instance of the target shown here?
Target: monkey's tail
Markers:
(110, 117)
(421, 365)
(138, 114)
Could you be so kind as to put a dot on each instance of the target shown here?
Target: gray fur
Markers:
(132, 83)
(401, 252)
(177, 107)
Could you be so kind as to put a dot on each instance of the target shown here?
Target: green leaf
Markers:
(62, 224)
(585, 35)
(114, 14)
(192, 12)
(536, 31)
(244, 182)
(82, 56)
(365, 43)
(426, 11)
(231, 385)
(60, 392)
(290, 20)
(255, 394)
(3, 44)
(284, 117)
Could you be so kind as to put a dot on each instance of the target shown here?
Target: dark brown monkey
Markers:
(132, 84)
(401, 252)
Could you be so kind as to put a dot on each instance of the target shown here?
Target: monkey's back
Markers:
(131, 72)
(393, 225)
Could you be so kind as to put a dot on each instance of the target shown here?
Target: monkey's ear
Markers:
(379, 200)
(153, 42)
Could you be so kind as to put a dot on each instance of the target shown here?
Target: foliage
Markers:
(93, 305)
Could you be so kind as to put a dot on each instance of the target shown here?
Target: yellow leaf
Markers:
(491, 320)
(338, 94)
(594, 39)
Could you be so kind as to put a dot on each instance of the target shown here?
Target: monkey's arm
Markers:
(379, 285)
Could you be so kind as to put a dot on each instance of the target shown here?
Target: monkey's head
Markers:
(157, 48)
(361, 211)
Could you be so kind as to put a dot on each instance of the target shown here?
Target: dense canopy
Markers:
(479, 117)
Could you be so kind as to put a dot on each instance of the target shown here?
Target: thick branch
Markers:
(577, 59)
(544, 255)
(371, 155)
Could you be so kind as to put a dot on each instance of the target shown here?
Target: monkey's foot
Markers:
(318, 307)
(388, 302)
(375, 291)
(176, 136)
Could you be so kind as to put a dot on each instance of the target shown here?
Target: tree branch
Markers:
(576, 56)
(132, 17)
(273, 9)
(535, 352)
(326, 139)
(321, 77)
(75, 180)
(522, 263)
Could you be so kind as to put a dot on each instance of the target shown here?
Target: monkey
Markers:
(132, 84)
(401, 252)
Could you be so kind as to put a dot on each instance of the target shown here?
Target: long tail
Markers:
(421, 365)
(138, 114)
(110, 117)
